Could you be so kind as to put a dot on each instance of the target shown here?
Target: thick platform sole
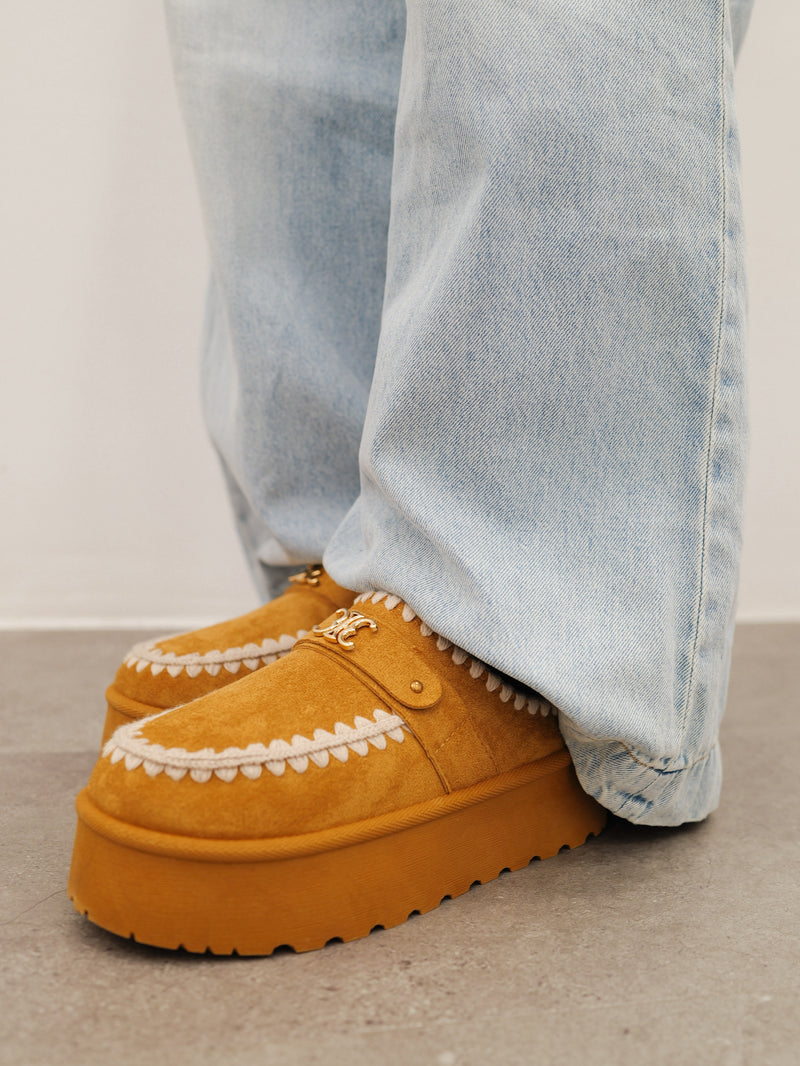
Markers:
(251, 896)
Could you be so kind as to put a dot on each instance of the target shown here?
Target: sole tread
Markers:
(308, 900)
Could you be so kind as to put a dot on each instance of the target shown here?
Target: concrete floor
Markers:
(664, 946)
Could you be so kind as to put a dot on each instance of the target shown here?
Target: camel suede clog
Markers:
(167, 672)
(366, 775)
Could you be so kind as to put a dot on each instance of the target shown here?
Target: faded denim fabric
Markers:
(475, 332)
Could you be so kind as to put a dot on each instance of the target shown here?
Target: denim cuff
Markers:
(630, 784)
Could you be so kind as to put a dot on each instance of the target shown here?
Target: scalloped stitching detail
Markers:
(148, 654)
(460, 657)
(128, 745)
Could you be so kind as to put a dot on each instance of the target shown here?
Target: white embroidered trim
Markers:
(128, 743)
(251, 655)
(460, 657)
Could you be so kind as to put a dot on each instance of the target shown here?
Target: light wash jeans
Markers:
(475, 334)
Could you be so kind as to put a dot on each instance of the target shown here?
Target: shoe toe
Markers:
(276, 751)
(173, 670)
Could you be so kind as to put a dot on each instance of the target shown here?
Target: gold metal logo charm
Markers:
(310, 576)
(344, 626)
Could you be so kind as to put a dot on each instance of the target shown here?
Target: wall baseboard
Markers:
(165, 625)
(186, 623)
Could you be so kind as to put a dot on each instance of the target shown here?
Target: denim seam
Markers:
(639, 757)
(665, 772)
(717, 360)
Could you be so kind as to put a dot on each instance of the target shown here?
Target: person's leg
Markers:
(290, 107)
(553, 455)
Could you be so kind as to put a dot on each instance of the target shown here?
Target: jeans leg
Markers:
(290, 108)
(553, 454)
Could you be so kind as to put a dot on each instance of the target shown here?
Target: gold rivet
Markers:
(417, 686)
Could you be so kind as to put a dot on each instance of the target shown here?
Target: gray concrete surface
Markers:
(657, 946)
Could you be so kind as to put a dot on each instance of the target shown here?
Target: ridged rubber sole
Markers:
(252, 896)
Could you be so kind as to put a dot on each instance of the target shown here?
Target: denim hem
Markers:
(629, 785)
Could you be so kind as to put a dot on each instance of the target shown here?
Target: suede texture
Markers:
(458, 733)
(299, 608)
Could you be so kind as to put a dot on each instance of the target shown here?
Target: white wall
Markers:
(117, 509)
(112, 506)
(769, 94)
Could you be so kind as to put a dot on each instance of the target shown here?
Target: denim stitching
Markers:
(640, 758)
(717, 359)
(659, 770)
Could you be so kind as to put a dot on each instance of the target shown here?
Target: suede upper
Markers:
(371, 714)
(174, 670)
